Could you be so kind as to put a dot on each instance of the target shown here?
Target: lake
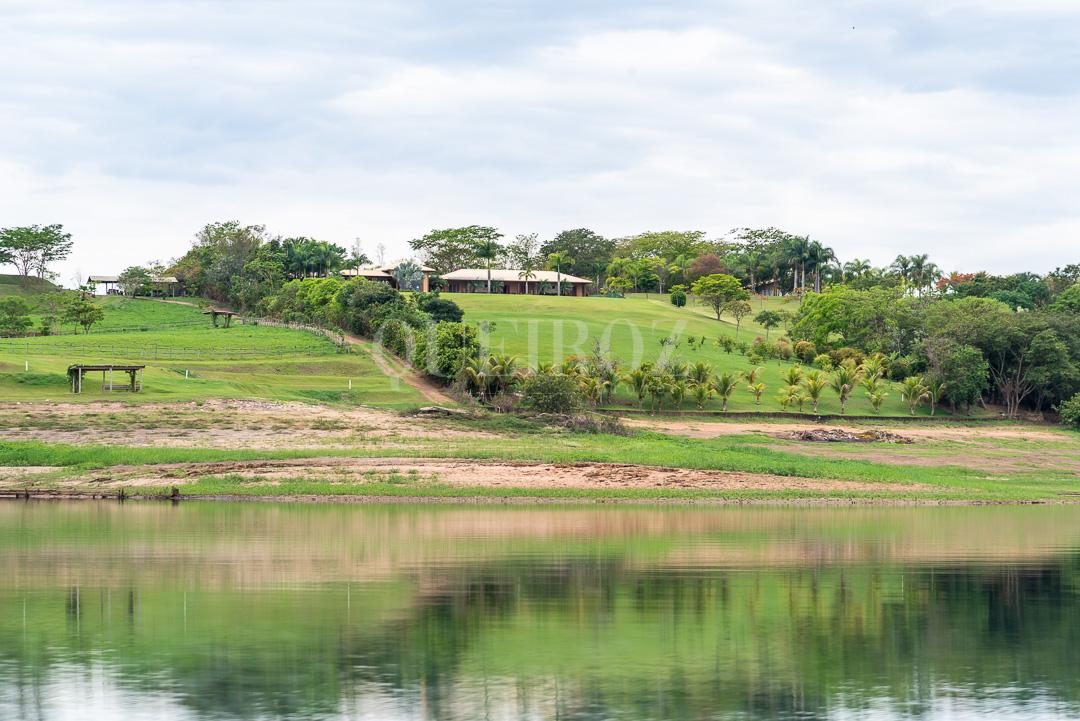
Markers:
(275, 611)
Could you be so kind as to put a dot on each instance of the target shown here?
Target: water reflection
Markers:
(262, 612)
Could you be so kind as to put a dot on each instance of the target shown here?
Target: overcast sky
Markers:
(951, 128)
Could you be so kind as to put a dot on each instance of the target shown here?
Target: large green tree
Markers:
(33, 248)
(718, 290)
(449, 249)
(591, 251)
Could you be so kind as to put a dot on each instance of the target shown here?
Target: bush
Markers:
(678, 298)
(726, 344)
(806, 351)
(823, 361)
(442, 349)
(440, 309)
(1070, 412)
(552, 393)
(840, 355)
(783, 350)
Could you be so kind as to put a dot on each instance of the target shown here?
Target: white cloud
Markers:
(135, 129)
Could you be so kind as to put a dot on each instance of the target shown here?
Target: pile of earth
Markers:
(839, 435)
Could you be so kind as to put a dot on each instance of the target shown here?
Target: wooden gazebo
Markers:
(215, 312)
(134, 373)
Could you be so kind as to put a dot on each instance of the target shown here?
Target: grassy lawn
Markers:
(188, 359)
(547, 329)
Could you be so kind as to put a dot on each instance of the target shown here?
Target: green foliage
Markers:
(879, 319)
(552, 393)
(135, 280)
(1070, 412)
(448, 249)
(591, 252)
(14, 316)
(769, 319)
(1069, 300)
(33, 248)
(440, 309)
(82, 312)
(678, 298)
(717, 290)
(442, 350)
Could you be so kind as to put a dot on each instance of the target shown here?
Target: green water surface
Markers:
(259, 611)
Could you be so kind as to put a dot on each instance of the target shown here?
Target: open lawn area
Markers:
(188, 359)
(546, 329)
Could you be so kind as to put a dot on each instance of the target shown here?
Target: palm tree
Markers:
(702, 393)
(873, 367)
(555, 262)
(877, 397)
(488, 250)
(935, 391)
(913, 391)
(798, 251)
(756, 389)
(726, 383)
(918, 270)
(701, 373)
(793, 375)
(815, 383)
(638, 380)
(787, 396)
(902, 268)
(857, 268)
(843, 381)
(818, 256)
(528, 270)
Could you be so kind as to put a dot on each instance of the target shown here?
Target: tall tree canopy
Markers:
(33, 248)
(448, 249)
(591, 251)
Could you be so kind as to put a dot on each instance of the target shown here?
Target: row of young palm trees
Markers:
(671, 383)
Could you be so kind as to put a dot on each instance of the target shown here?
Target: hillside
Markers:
(188, 359)
(545, 329)
(16, 285)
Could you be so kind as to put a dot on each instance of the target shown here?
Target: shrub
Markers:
(552, 393)
(784, 351)
(440, 309)
(806, 351)
(840, 355)
(678, 298)
(726, 344)
(442, 349)
(823, 361)
(1070, 412)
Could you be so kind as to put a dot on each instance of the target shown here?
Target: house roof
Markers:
(380, 271)
(116, 279)
(364, 273)
(501, 275)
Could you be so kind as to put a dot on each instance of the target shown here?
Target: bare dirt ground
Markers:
(705, 429)
(982, 447)
(463, 474)
(221, 424)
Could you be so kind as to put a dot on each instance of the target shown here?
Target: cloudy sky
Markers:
(941, 126)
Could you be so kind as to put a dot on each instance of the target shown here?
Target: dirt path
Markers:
(396, 368)
(389, 365)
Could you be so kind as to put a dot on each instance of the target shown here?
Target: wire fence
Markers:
(91, 346)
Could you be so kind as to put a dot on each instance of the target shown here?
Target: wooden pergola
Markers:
(76, 373)
(215, 312)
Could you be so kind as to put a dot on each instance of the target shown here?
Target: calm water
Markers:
(217, 611)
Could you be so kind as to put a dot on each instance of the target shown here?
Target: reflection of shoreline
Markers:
(210, 545)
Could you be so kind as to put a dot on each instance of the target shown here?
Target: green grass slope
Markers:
(540, 329)
(16, 285)
(188, 359)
